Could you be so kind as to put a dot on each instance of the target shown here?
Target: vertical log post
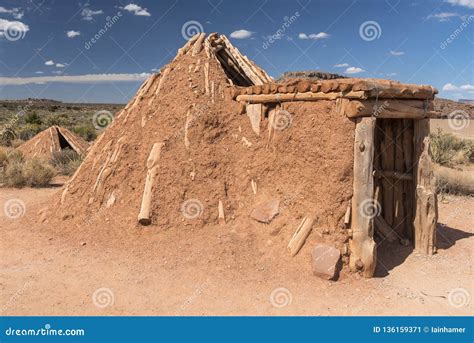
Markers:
(362, 246)
(426, 210)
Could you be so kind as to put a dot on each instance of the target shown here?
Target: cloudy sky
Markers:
(100, 51)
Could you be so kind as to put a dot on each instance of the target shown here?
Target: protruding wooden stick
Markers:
(300, 235)
(198, 45)
(221, 212)
(253, 183)
(152, 166)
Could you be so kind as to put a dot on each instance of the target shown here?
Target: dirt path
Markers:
(219, 271)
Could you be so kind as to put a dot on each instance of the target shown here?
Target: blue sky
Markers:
(47, 51)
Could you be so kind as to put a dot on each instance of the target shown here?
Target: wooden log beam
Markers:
(387, 108)
(384, 229)
(362, 245)
(144, 217)
(308, 96)
(393, 175)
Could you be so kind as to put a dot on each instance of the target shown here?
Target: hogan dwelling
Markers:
(211, 140)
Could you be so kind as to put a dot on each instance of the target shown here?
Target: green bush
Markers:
(13, 176)
(28, 131)
(33, 118)
(86, 131)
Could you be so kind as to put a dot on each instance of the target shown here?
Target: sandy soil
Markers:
(222, 271)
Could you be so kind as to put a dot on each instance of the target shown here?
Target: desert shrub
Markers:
(33, 118)
(54, 120)
(15, 171)
(453, 181)
(7, 135)
(37, 173)
(66, 161)
(27, 131)
(447, 149)
(12, 175)
(86, 131)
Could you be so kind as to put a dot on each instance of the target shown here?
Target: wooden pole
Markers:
(362, 246)
(144, 217)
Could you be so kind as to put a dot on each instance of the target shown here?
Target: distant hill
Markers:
(466, 101)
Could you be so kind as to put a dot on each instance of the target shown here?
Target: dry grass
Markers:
(16, 172)
(448, 150)
(454, 181)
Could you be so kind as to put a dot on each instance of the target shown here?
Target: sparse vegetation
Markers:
(454, 181)
(15, 171)
(448, 150)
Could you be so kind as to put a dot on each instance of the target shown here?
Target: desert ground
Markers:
(230, 270)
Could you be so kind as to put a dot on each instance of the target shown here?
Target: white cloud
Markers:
(13, 27)
(72, 33)
(450, 87)
(241, 34)
(443, 16)
(467, 87)
(315, 36)
(354, 70)
(465, 3)
(60, 65)
(396, 53)
(89, 78)
(49, 63)
(87, 13)
(15, 12)
(391, 74)
(39, 72)
(137, 10)
(342, 65)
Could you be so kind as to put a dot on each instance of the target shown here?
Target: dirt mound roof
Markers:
(51, 140)
(179, 154)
